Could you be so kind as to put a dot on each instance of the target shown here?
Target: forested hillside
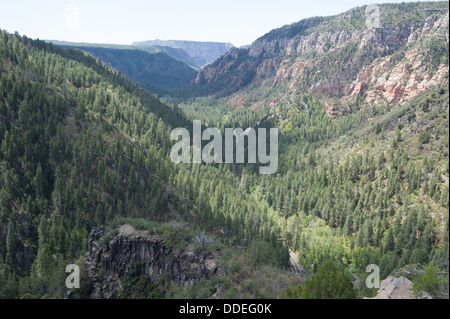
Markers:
(156, 72)
(363, 173)
(177, 54)
(82, 146)
(68, 154)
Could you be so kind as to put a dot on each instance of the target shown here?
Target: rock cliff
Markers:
(340, 57)
(401, 80)
(135, 253)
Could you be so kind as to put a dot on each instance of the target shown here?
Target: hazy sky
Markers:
(239, 22)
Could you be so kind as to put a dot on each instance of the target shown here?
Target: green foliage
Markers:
(430, 280)
(411, 12)
(203, 243)
(295, 29)
(263, 253)
(138, 287)
(294, 292)
(200, 290)
(69, 162)
(424, 138)
(232, 293)
(175, 234)
(330, 282)
(155, 72)
(82, 146)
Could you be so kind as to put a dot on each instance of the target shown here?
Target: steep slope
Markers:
(203, 53)
(152, 71)
(340, 57)
(177, 54)
(70, 159)
(82, 147)
(363, 149)
(82, 150)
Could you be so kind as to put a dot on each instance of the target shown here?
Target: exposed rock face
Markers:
(232, 74)
(398, 81)
(392, 63)
(396, 288)
(143, 254)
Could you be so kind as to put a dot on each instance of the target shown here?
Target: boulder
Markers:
(397, 288)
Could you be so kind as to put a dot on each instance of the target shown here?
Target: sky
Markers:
(239, 22)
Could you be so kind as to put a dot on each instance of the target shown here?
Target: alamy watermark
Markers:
(256, 146)
(373, 280)
(73, 17)
(372, 14)
(73, 280)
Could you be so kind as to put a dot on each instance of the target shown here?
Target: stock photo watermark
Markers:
(373, 279)
(72, 17)
(372, 14)
(234, 140)
(73, 280)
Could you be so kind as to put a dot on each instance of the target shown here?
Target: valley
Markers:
(362, 169)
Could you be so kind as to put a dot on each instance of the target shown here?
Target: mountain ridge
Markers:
(289, 55)
(154, 71)
(177, 54)
(203, 53)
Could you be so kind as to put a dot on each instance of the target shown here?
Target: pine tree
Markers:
(11, 246)
(389, 244)
(329, 282)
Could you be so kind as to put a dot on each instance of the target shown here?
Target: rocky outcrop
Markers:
(131, 252)
(268, 48)
(399, 80)
(397, 288)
